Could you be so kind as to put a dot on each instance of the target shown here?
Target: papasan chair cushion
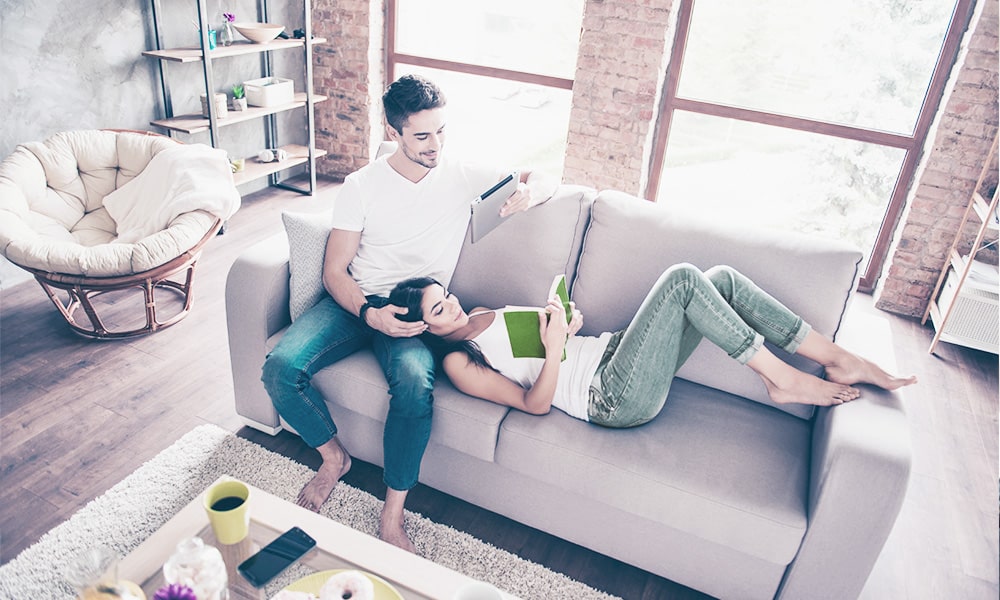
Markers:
(55, 198)
(89, 212)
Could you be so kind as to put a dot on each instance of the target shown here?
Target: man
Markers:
(401, 216)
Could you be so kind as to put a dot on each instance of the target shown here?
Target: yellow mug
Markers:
(228, 506)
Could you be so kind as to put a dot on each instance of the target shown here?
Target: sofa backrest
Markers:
(515, 263)
(630, 242)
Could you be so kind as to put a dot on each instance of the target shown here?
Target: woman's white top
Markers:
(583, 355)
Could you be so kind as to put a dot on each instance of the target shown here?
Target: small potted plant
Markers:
(239, 98)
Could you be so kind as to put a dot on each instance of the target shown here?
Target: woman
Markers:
(622, 379)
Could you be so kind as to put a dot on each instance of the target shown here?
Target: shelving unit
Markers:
(964, 307)
(298, 154)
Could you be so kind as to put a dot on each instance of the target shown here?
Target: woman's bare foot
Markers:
(336, 463)
(391, 525)
(786, 384)
(849, 368)
(803, 388)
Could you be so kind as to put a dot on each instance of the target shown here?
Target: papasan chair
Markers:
(93, 212)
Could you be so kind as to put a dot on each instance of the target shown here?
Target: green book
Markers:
(522, 323)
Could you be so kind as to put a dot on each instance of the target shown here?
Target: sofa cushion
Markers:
(307, 234)
(462, 423)
(630, 242)
(515, 263)
(711, 465)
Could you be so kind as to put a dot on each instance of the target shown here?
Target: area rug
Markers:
(133, 509)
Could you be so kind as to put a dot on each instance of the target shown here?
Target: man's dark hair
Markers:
(409, 95)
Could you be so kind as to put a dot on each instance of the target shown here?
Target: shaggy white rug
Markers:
(136, 507)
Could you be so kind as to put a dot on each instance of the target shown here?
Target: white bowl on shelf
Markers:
(260, 33)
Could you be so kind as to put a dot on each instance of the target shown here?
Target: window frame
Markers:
(912, 144)
(393, 58)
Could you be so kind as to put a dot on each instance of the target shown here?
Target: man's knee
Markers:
(278, 372)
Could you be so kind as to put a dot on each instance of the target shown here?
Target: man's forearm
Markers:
(345, 291)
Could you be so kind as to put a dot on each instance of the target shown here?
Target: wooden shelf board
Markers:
(193, 53)
(254, 169)
(196, 123)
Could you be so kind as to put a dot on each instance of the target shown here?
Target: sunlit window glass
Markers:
(864, 63)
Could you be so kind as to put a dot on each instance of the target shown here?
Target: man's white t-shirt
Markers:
(408, 229)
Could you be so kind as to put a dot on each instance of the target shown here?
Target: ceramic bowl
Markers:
(260, 33)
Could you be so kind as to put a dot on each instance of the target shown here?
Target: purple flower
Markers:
(175, 591)
(230, 17)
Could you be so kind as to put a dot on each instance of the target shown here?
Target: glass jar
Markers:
(226, 34)
(94, 575)
(199, 567)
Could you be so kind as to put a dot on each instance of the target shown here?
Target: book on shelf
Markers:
(523, 327)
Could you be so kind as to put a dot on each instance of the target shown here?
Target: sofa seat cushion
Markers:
(460, 422)
(711, 465)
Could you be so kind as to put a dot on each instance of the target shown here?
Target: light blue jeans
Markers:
(685, 305)
(327, 333)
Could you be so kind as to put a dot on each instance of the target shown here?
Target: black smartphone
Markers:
(276, 556)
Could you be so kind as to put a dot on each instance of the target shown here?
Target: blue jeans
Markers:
(327, 333)
(684, 305)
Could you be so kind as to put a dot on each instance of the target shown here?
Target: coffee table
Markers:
(337, 547)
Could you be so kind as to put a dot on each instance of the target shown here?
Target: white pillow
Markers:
(307, 234)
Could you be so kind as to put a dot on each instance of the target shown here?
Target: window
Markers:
(803, 115)
(506, 69)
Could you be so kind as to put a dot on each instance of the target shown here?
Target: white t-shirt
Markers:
(583, 355)
(408, 229)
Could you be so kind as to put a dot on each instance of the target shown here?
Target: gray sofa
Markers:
(723, 492)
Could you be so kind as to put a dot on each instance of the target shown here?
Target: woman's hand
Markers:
(576, 323)
(553, 328)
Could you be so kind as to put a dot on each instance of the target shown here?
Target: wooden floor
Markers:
(77, 416)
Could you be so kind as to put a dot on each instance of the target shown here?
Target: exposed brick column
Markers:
(620, 68)
(349, 70)
(953, 156)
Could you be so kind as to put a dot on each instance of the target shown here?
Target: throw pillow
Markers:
(307, 233)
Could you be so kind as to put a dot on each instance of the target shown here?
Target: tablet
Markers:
(486, 207)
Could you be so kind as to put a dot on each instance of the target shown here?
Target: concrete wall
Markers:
(78, 64)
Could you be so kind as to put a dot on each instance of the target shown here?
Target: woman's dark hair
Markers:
(409, 294)
(409, 95)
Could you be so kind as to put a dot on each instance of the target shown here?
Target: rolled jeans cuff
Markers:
(747, 351)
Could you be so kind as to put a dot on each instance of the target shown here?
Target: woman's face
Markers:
(442, 312)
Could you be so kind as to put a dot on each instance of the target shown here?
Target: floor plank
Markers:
(77, 416)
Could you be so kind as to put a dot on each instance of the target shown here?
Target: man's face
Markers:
(422, 137)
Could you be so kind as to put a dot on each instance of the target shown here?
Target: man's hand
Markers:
(518, 201)
(384, 320)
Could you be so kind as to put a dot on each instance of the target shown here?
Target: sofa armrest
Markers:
(861, 458)
(256, 308)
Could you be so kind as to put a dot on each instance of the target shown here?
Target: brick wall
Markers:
(349, 70)
(953, 157)
(624, 49)
(623, 55)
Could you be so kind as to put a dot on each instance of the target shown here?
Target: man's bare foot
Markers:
(803, 388)
(850, 368)
(391, 524)
(336, 463)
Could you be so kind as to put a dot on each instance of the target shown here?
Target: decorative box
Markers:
(269, 91)
(221, 105)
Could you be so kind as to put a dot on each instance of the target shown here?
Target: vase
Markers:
(226, 34)
(94, 575)
(240, 103)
